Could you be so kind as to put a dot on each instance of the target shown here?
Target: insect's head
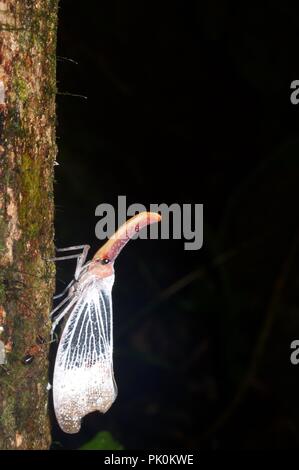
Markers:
(102, 264)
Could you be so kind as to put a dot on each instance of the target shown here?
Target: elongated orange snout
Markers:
(115, 244)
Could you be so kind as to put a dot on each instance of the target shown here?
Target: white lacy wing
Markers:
(83, 375)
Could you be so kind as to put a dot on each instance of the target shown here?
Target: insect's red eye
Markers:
(105, 261)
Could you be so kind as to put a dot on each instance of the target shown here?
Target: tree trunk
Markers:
(27, 156)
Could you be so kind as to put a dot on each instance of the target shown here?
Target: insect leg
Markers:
(81, 260)
(85, 249)
(62, 258)
(68, 297)
(81, 257)
(61, 315)
(57, 296)
(72, 248)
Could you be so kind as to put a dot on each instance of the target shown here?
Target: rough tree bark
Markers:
(27, 156)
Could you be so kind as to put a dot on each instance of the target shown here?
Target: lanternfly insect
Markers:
(83, 378)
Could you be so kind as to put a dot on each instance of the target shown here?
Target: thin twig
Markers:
(75, 95)
(67, 59)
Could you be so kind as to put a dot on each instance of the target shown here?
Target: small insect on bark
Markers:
(83, 378)
(34, 350)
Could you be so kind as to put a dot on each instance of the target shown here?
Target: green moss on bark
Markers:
(28, 151)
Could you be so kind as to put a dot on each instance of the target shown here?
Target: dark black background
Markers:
(189, 102)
